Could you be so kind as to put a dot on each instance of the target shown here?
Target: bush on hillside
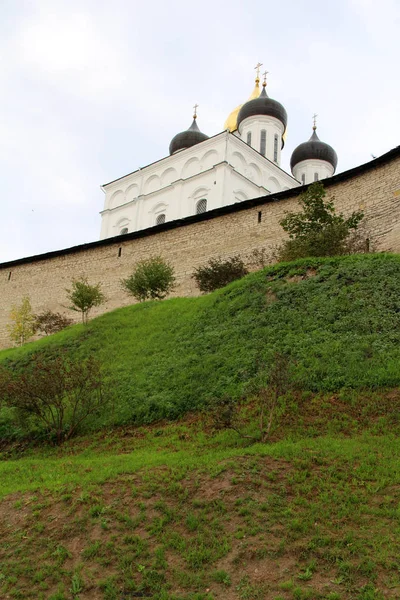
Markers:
(153, 279)
(218, 272)
(84, 297)
(23, 326)
(268, 397)
(55, 392)
(49, 322)
(317, 230)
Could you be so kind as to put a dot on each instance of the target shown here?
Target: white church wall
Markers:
(176, 184)
(250, 163)
(308, 171)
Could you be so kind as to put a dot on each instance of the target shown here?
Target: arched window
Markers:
(276, 148)
(316, 177)
(201, 206)
(303, 178)
(263, 142)
(123, 231)
(249, 138)
(160, 219)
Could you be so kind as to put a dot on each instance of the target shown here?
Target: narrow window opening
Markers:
(124, 231)
(276, 148)
(303, 178)
(263, 142)
(201, 206)
(9, 276)
(259, 216)
(160, 219)
(119, 252)
(249, 138)
(316, 177)
(367, 245)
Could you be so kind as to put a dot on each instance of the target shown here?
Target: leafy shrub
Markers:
(152, 279)
(49, 322)
(55, 391)
(84, 297)
(317, 230)
(218, 272)
(225, 413)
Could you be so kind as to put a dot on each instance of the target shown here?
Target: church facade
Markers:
(204, 173)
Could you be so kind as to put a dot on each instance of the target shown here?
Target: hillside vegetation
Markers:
(177, 511)
(337, 318)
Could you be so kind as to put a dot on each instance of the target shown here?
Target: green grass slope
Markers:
(338, 318)
(170, 513)
(175, 511)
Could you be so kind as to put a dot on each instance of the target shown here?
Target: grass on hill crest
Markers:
(337, 318)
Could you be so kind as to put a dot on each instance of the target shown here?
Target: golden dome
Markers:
(231, 122)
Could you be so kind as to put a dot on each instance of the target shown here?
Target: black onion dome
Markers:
(188, 138)
(263, 105)
(314, 149)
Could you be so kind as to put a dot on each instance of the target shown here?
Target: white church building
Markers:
(202, 173)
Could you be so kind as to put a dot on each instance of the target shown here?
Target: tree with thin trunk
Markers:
(23, 326)
(84, 297)
(226, 413)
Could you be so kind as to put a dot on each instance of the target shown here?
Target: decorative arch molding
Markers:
(273, 184)
(122, 226)
(152, 184)
(191, 167)
(238, 161)
(209, 159)
(254, 173)
(240, 195)
(168, 176)
(199, 192)
(132, 192)
(159, 207)
(116, 199)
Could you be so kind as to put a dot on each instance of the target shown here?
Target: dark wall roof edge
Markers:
(231, 208)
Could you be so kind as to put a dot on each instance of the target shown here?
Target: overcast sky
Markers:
(91, 90)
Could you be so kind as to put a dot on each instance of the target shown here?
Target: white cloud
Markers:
(93, 90)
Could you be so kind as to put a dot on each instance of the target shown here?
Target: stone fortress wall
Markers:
(239, 228)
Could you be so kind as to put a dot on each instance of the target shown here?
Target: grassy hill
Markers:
(175, 511)
(339, 319)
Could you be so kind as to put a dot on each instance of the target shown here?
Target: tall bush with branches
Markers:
(317, 230)
(49, 322)
(84, 297)
(153, 279)
(219, 272)
(226, 413)
(57, 393)
(23, 326)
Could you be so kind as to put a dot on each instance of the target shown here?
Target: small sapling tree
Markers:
(23, 325)
(317, 230)
(56, 392)
(226, 413)
(153, 279)
(84, 297)
(218, 272)
(49, 322)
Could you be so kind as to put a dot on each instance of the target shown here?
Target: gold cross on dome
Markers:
(195, 107)
(257, 68)
(265, 76)
(315, 121)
